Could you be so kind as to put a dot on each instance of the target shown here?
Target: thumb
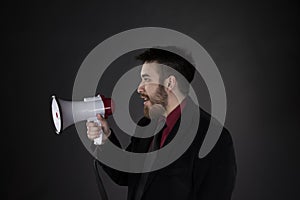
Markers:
(102, 120)
(104, 124)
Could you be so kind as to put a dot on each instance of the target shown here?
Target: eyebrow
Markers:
(145, 75)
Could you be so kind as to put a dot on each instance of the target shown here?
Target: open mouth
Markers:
(145, 98)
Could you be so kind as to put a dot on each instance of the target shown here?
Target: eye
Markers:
(147, 79)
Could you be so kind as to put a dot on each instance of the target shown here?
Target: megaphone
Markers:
(65, 113)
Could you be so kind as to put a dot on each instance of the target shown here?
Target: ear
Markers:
(170, 82)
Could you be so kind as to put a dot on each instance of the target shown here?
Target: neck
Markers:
(173, 102)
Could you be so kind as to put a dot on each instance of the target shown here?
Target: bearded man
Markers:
(164, 88)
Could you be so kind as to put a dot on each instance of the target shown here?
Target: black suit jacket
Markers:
(189, 177)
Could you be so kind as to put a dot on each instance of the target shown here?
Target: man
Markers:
(165, 79)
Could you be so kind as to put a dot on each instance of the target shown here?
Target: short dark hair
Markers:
(173, 61)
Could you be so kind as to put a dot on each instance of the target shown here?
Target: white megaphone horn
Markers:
(66, 113)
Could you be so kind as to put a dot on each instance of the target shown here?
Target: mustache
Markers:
(144, 95)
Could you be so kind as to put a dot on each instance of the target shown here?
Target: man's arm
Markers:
(93, 131)
(119, 177)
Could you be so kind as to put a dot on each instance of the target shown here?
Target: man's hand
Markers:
(94, 129)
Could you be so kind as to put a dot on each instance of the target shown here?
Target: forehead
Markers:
(150, 69)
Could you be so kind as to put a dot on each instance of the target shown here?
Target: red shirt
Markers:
(171, 121)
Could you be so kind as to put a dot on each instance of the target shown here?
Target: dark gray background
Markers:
(254, 44)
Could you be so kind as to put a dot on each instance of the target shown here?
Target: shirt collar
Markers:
(175, 114)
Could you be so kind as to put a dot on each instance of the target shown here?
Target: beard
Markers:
(160, 97)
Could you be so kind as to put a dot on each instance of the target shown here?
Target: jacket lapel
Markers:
(185, 123)
(152, 175)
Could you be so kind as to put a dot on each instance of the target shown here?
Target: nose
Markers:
(141, 88)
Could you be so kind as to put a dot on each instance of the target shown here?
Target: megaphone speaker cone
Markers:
(56, 115)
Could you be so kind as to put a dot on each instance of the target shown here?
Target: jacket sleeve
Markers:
(218, 180)
(119, 177)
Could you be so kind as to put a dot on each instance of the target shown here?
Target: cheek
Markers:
(150, 88)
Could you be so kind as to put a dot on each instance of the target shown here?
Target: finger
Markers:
(92, 137)
(91, 124)
(99, 117)
(94, 134)
(94, 129)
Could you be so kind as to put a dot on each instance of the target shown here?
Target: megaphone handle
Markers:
(97, 141)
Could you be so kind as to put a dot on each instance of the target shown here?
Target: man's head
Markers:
(166, 79)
